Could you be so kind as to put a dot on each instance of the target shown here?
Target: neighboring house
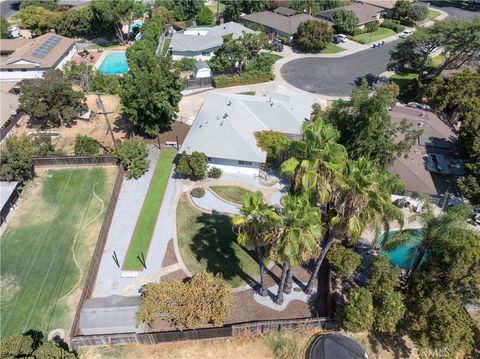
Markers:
(202, 46)
(8, 109)
(386, 5)
(113, 314)
(29, 59)
(281, 21)
(201, 70)
(224, 128)
(8, 196)
(437, 142)
(364, 12)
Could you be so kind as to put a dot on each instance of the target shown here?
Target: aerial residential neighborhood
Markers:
(240, 178)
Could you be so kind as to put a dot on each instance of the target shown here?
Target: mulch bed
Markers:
(170, 257)
(178, 131)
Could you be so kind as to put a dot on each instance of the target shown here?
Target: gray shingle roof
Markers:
(230, 28)
(363, 11)
(182, 42)
(285, 11)
(226, 123)
(200, 65)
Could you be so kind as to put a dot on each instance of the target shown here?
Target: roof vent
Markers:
(229, 103)
(271, 105)
(221, 123)
(200, 126)
(218, 117)
(225, 115)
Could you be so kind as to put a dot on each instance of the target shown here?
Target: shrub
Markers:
(194, 165)
(107, 84)
(357, 32)
(198, 192)
(392, 25)
(313, 36)
(372, 26)
(133, 156)
(257, 27)
(85, 146)
(215, 172)
(283, 39)
(184, 64)
(179, 25)
(284, 345)
(417, 12)
(345, 21)
(344, 260)
(357, 314)
(205, 16)
(204, 299)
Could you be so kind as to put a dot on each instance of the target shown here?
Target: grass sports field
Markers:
(145, 226)
(47, 247)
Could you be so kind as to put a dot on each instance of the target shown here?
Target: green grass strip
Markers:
(166, 45)
(369, 37)
(332, 49)
(142, 235)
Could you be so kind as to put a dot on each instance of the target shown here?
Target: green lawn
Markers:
(273, 57)
(142, 235)
(369, 37)
(166, 45)
(60, 213)
(438, 60)
(231, 193)
(250, 93)
(332, 49)
(207, 242)
(433, 14)
(104, 46)
(213, 7)
(403, 80)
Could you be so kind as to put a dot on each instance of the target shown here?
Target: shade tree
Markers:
(313, 36)
(133, 157)
(193, 165)
(345, 21)
(4, 25)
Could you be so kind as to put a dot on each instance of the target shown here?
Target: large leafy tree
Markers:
(4, 25)
(400, 10)
(52, 99)
(133, 156)
(313, 35)
(182, 9)
(38, 19)
(343, 260)
(417, 12)
(151, 90)
(112, 15)
(252, 225)
(366, 129)
(75, 22)
(193, 165)
(234, 54)
(345, 21)
(460, 41)
(204, 299)
(294, 237)
(312, 7)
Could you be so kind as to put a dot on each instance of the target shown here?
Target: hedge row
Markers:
(389, 24)
(247, 78)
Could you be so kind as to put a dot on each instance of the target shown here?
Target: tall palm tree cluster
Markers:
(331, 198)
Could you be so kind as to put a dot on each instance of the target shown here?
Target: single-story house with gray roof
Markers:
(203, 46)
(224, 128)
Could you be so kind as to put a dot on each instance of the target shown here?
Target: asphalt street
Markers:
(8, 8)
(336, 76)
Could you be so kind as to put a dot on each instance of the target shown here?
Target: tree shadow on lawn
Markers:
(214, 246)
(395, 343)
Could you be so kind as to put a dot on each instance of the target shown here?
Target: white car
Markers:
(406, 34)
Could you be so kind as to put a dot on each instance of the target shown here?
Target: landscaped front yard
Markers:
(140, 242)
(403, 80)
(369, 37)
(47, 247)
(207, 242)
(433, 14)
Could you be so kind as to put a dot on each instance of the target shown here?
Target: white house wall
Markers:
(67, 58)
(232, 166)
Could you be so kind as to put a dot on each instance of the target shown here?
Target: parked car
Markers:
(339, 38)
(406, 33)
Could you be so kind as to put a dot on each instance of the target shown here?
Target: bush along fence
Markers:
(75, 161)
(99, 248)
(202, 334)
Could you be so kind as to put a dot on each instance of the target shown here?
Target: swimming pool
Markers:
(202, 31)
(114, 63)
(403, 256)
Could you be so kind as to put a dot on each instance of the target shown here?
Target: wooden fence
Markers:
(98, 252)
(201, 334)
(199, 83)
(74, 161)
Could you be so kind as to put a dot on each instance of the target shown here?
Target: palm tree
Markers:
(252, 223)
(435, 232)
(294, 237)
(362, 196)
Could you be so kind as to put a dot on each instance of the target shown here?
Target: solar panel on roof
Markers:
(45, 48)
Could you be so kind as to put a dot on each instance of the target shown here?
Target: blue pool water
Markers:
(403, 256)
(114, 63)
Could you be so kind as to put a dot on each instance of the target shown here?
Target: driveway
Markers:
(9, 8)
(336, 76)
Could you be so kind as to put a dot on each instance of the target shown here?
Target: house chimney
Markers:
(222, 21)
(52, 31)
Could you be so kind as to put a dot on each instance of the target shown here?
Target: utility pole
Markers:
(109, 127)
